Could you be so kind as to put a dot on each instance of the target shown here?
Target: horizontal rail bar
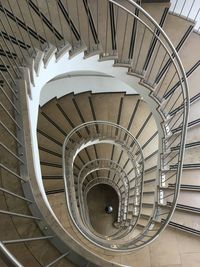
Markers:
(15, 195)
(12, 172)
(58, 259)
(19, 215)
(15, 241)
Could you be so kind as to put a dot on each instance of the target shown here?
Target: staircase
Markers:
(132, 142)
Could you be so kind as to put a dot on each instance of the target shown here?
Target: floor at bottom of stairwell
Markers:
(172, 249)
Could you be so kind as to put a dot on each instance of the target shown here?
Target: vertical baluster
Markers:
(124, 38)
(60, 22)
(27, 30)
(19, 29)
(8, 84)
(10, 64)
(153, 64)
(7, 69)
(182, 7)
(140, 49)
(42, 22)
(13, 58)
(188, 15)
(195, 18)
(107, 14)
(54, 35)
(20, 49)
(77, 11)
(70, 25)
(175, 6)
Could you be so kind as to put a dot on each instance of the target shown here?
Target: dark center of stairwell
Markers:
(99, 198)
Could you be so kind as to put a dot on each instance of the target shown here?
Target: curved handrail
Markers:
(102, 164)
(175, 60)
(106, 131)
(182, 79)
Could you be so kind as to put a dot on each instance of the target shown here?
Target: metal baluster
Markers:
(19, 29)
(42, 22)
(70, 26)
(8, 84)
(175, 6)
(11, 153)
(14, 241)
(168, 99)
(167, 147)
(9, 115)
(77, 10)
(171, 126)
(176, 154)
(7, 70)
(2, 24)
(60, 21)
(153, 63)
(97, 18)
(88, 28)
(57, 259)
(182, 7)
(126, 23)
(11, 52)
(10, 64)
(21, 14)
(190, 9)
(107, 14)
(15, 195)
(54, 36)
(170, 177)
(35, 28)
(195, 18)
(9, 100)
(12, 172)
(175, 102)
(140, 49)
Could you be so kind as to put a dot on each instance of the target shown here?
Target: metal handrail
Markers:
(107, 132)
(100, 164)
(175, 60)
(184, 91)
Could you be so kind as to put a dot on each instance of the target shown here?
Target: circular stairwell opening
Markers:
(99, 197)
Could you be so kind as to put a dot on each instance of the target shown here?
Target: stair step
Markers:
(184, 228)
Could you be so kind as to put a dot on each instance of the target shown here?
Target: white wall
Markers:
(79, 82)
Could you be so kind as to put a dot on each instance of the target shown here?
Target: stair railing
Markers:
(167, 100)
(119, 176)
(96, 132)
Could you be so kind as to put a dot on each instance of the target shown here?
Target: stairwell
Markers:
(41, 40)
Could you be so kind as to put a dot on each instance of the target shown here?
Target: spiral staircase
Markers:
(94, 111)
